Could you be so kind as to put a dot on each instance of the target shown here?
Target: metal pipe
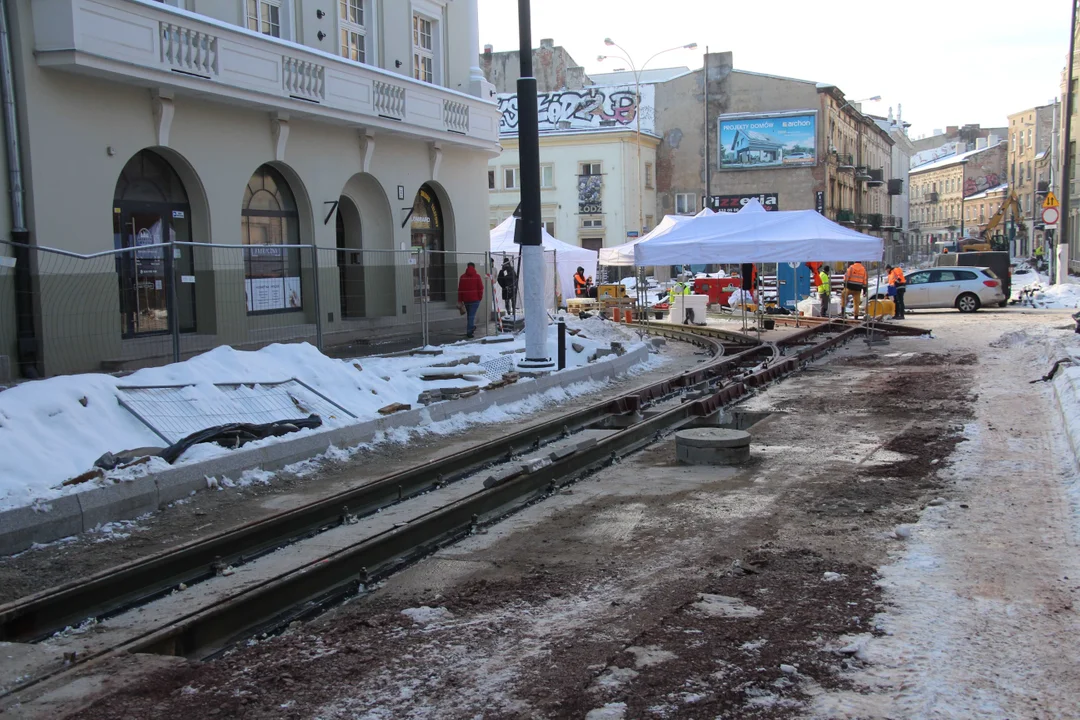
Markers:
(562, 342)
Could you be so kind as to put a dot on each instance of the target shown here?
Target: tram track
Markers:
(628, 422)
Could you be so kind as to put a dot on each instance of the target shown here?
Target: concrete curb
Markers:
(73, 514)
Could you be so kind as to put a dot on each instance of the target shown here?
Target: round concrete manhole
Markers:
(712, 446)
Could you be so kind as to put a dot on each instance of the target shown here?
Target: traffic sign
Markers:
(1050, 214)
(1051, 201)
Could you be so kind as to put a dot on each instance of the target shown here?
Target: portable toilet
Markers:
(789, 281)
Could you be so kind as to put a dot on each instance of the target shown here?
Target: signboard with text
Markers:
(777, 140)
(734, 203)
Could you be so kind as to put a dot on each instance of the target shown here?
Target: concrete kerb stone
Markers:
(21, 527)
(72, 514)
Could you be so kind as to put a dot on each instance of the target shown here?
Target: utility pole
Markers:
(708, 166)
(1061, 251)
(527, 231)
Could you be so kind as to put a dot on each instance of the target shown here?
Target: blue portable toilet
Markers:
(788, 281)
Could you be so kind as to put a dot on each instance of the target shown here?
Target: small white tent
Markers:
(753, 235)
(623, 255)
(562, 258)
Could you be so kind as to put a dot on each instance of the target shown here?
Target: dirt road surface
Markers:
(900, 546)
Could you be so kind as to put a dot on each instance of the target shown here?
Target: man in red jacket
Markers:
(470, 291)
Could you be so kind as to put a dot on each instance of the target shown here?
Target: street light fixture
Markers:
(637, 112)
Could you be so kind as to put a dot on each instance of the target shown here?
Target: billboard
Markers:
(768, 141)
(734, 203)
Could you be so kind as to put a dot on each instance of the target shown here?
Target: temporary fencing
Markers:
(156, 303)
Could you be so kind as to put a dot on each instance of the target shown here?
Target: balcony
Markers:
(931, 197)
(877, 178)
(154, 45)
(861, 173)
(892, 222)
(847, 217)
(872, 221)
(896, 186)
(845, 161)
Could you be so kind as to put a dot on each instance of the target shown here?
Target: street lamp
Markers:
(637, 113)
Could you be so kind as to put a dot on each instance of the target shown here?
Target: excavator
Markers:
(989, 242)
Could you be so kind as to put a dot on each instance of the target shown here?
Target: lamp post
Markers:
(637, 112)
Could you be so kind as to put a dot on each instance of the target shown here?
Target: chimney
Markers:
(992, 140)
(951, 129)
(547, 44)
(575, 78)
(899, 116)
(488, 49)
(980, 143)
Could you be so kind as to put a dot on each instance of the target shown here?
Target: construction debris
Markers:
(393, 408)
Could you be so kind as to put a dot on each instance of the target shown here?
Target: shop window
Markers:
(270, 223)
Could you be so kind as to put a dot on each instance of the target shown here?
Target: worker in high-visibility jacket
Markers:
(897, 286)
(824, 291)
(854, 285)
(681, 287)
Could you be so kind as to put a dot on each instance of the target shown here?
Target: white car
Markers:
(965, 288)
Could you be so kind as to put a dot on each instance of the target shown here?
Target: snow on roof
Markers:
(950, 160)
(990, 191)
(624, 77)
(779, 77)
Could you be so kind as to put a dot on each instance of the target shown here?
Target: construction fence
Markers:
(157, 303)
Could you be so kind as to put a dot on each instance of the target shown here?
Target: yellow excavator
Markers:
(1009, 203)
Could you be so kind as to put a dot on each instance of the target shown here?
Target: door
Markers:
(152, 272)
(944, 287)
(917, 294)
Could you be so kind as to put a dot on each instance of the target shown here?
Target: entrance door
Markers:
(149, 273)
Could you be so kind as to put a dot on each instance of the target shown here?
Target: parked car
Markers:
(999, 262)
(967, 289)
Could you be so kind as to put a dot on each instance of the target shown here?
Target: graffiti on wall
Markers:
(589, 109)
(980, 183)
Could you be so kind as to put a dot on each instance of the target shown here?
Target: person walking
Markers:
(897, 283)
(854, 284)
(470, 292)
(824, 291)
(508, 279)
(581, 284)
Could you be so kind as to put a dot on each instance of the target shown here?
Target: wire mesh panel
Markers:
(176, 411)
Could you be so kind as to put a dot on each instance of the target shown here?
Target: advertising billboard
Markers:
(734, 203)
(768, 141)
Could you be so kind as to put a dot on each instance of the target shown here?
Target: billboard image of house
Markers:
(761, 141)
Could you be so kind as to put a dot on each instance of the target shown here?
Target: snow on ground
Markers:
(55, 429)
(1033, 289)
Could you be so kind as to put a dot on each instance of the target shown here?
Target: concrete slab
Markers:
(22, 527)
(113, 502)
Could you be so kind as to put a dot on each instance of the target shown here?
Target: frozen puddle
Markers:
(724, 606)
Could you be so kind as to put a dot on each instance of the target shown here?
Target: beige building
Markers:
(939, 190)
(1031, 140)
(358, 132)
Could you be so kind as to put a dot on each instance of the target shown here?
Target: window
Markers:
(685, 203)
(549, 225)
(264, 16)
(353, 30)
(547, 173)
(510, 178)
(965, 275)
(918, 278)
(648, 222)
(648, 175)
(270, 222)
(423, 49)
(1029, 139)
(594, 244)
(590, 168)
(592, 222)
(491, 179)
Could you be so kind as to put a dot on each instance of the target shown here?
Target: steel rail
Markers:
(114, 590)
(307, 589)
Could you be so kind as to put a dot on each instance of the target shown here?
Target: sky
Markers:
(947, 62)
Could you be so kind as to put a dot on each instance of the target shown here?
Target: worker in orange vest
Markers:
(897, 285)
(854, 284)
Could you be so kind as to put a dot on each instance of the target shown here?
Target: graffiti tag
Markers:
(979, 184)
(593, 108)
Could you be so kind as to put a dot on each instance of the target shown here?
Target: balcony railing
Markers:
(155, 45)
(892, 222)
(845, 161)
(931, 197)
(845, 216)
(877, 177)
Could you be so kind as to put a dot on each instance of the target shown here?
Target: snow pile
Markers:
(1033, 289)
(52, 430)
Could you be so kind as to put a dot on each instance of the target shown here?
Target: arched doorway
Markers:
(150, 209)
(428, 233)
(350, 257)
(270, 223)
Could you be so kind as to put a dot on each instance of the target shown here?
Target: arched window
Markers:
(270, 221)
(427, 233)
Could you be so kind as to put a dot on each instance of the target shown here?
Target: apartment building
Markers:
(345, 129)
(939, 191)
(1031, 143)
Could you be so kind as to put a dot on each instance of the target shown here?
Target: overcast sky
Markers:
(948, 62)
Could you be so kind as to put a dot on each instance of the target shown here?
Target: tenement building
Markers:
(939, 191)
(1031, 140)
(237, 172)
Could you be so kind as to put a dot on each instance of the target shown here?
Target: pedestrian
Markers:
(824, 291)
(470, 291)
(854, 284)
(508, 279)
(897, 287)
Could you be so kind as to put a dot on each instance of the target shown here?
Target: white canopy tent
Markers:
(754, 235)
(623, 255)
(563, 260)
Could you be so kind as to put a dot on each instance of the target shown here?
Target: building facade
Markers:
(903, 249)
(1068, 154)
(794, 144)
(1031, 142)
(939, 190)
(354, 128)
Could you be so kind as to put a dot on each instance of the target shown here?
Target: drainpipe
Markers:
(24, 304)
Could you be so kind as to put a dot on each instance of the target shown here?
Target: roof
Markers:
(775, 77)
(949, 160)
(626, 77)
(986, 193)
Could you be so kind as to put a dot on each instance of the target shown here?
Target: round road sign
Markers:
(1050, 215)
